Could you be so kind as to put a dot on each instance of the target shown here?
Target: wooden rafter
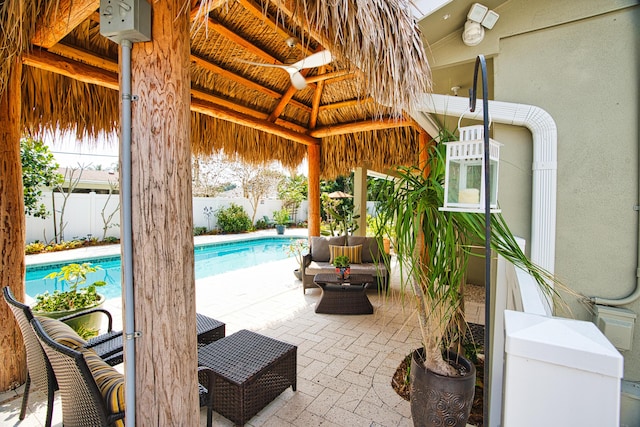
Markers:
(315, 102)
(285, 99)
(243, 109)
(244, 120)
(69, 14)
(333, 77)
(358, 127)
(90, 74)
(240, 41)
(345, 104)
(256, 10)
(83, 55)
(76, 70)
(243, 81)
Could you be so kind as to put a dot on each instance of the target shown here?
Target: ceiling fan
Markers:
(297, 79)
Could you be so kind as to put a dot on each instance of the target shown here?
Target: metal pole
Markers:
(127, 235)
(480, 61)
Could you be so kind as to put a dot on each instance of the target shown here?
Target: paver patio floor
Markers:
(345, 363)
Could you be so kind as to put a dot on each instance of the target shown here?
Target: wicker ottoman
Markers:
(250, 371)
(109, 346)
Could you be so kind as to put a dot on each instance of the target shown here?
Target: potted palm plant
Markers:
(74, 299)
(432, 248)
(281, 218)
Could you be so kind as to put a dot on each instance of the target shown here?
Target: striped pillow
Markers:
(61, 333)
(110, 383)
(354, 253)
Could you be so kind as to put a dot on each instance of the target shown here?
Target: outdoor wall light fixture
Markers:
(478, 18)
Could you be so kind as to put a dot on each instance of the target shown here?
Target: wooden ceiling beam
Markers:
(90, 74)
(63, 52)
(288, 7)
(329, 77)
(354, 127)
(223, 113)
(244, 43)
(83, 55)
(257, 11)
(243, 109)
(68, 15)
(345, 104)
(243, 81)
(288, 95)
(73, 69)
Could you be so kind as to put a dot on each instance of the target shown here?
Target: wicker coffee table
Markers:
(109, 347)
(344, 296)
(250, 371)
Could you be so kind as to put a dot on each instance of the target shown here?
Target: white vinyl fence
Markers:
(85, 215)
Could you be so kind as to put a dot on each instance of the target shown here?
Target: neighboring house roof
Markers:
(90, 179)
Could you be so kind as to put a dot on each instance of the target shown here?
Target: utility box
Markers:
(616, 324)
(559, 372)
(125, 20)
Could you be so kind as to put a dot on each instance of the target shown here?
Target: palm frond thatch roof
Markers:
(352, 107)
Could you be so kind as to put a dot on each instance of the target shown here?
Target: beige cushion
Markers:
(61, 333)
(320, 247)
(354, 253)
(370, 249)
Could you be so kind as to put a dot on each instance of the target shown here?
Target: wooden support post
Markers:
(313, 157)
(162, 223)
(360, 199)
(12, 230)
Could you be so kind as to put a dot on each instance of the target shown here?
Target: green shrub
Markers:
(34, 248)
(261, 224)
(233, 219)
(199, 231)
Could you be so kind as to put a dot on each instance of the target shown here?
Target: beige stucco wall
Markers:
(580, 64)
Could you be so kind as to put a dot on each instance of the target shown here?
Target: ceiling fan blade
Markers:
(315, 60)
(298, 81)
(288, 68)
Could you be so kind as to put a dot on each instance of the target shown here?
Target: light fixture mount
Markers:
(479, 16)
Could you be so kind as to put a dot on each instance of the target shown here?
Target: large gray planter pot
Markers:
(437, 400)
(280, 229)
(90, 322)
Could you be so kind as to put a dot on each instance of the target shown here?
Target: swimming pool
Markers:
(210, 259)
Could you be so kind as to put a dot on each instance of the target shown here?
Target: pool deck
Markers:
(345, 363)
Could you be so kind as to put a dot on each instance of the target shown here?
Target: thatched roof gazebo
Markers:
(199, 90)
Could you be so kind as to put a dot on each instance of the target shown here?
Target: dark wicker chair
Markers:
(82, 402)
(38, 367)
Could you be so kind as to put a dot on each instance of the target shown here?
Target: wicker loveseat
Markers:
(318, 259)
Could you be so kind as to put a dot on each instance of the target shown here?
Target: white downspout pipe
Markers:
(545, 161)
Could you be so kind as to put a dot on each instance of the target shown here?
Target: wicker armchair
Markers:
(92, 392)
(38, 367)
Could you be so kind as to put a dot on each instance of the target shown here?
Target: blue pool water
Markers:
(210, 260)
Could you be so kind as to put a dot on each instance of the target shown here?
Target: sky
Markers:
(68, 153)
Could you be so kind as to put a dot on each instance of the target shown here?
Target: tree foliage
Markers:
(257, 181)
(39, 170)
(292, 190)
